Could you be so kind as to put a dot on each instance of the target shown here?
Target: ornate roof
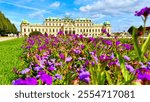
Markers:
(25, 21)
(107, 23)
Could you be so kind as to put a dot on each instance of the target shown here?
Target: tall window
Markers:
(95, 30)
(24, 30)
(89, 30)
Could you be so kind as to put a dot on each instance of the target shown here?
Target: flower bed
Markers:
(74, 59)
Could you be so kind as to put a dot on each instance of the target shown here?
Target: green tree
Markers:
(6, 27)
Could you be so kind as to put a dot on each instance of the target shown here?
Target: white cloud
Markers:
(55, 4)
(39, 14)
(98, 16)
(67, 13)
(113, 6)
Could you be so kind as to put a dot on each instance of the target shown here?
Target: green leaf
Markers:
(109, 80)
(145, 45)
(136, 45)
(124, 71)
(102, 78)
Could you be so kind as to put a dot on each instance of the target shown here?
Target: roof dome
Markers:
(25, 21)
(107, 23)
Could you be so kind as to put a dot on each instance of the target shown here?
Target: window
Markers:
(89, 30)
(24, 30)
(28, 30)
(83, 30)
(95, 30)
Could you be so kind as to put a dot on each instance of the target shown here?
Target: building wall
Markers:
(53, 26)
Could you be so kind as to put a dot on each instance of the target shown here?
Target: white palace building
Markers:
(53, 25)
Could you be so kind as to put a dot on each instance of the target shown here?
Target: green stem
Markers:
(136, 45)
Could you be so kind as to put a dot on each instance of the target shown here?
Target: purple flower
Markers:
(46, 35)
(108, 35)
(117, 63)
(42, 64)
(28, 47)
(93, 63)
(37, 68)
(112, 56)
(77, 51)
(31, 81)
(127, 46)
(130, 68)
(87, 62)
(41, 72)
(58, 64)
(95, 58)
(84, 76)
(82, 46)
(104, 31)
(148, 65)
(104, 57)
(62, 56)
(68, 59)
(25, 71)
(47, 79)
(27, 81)
(31, 42)
(143, 74)
(111, 63)
(81, 36)
(60, 32)
(143, 12)
(142, 65)
(118, 43)
(58, 76)
(107, 42)
(42, 47)
(51, 68)
(91, 39)
(127, 58)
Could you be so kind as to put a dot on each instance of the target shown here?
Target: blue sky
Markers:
(120, 13)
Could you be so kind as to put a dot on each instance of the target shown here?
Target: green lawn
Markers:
(10, 52)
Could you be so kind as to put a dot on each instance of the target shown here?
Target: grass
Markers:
(10, 52)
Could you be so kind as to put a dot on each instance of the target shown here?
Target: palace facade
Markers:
(68, 26)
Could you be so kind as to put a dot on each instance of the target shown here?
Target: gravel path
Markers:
(6, 38)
